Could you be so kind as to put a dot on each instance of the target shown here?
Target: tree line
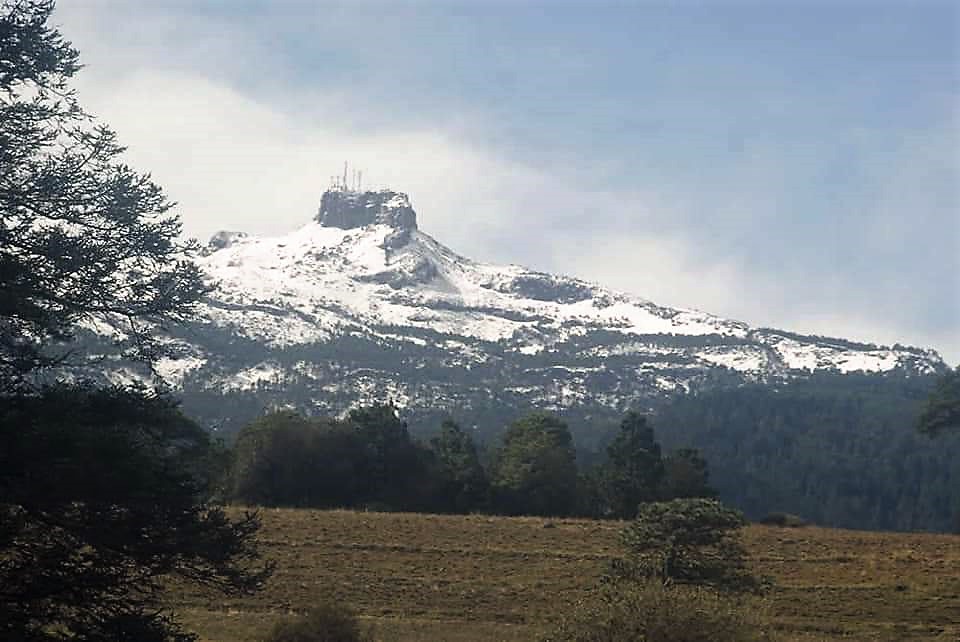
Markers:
(836, 450)
(369, 459)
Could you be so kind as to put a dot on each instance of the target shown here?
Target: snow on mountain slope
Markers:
(360, 302)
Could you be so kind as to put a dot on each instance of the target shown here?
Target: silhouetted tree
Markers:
(392, 462)
(82, 235)
(284, 459)
(685, 474)
(102, 492)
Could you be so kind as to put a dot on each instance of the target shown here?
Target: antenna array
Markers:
(349, 181)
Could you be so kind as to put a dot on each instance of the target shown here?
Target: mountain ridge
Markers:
(360, 305)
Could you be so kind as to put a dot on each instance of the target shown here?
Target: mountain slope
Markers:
(360, 305)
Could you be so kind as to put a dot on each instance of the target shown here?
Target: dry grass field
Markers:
(479, 578)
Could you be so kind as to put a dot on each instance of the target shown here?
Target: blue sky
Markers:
(790, 164)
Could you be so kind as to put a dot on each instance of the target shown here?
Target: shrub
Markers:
(324, 623)
(652, 612)
(785, 520)
(686, 541)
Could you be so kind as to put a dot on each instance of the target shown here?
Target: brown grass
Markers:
(473, 578)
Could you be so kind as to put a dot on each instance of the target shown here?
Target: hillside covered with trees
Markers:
(836, 450)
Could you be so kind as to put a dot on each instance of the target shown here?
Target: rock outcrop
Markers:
(348, 209)
(224, 239)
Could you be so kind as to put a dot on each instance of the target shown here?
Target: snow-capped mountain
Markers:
(360, 305)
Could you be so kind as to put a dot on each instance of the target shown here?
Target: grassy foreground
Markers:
(479, 578)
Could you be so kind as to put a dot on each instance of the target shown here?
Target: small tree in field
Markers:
(683, 579)
(686, 541)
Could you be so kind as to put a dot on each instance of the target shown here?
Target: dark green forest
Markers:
(837, 450)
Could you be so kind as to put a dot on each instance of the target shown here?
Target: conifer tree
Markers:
(687, 541)
(465, 481)
(536, 469)
(83, 236)
(103, 492)
(634, 469)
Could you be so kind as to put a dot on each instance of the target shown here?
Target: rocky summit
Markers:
(359, 305)
(348, 209)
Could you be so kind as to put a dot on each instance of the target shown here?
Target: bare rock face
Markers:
(348, 209)
(224, 239)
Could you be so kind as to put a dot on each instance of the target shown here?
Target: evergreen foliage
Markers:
(81, 233)
(535, 472)
(368, 460)
(840, 450)
(686, 541)
(393, 468)
(942, 410)
(685, 474)
(103, 493)
(324, 623)
(284, 459)
(465, 481)
(634, 468)
(770, 450)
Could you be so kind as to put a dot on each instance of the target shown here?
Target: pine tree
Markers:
(103, 493)
(686, 541)
(465, 482)
(536, 469)
(685, 474)
(82, 235)
(634, 468)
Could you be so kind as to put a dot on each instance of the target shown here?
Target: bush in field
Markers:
(325, 623)
(686, 541)
(652, 612)
(683, 579)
